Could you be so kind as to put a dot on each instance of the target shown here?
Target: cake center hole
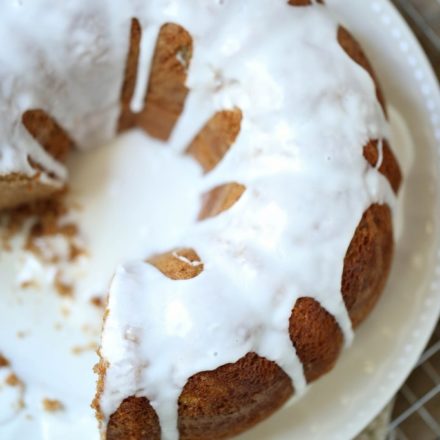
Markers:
(130, 199)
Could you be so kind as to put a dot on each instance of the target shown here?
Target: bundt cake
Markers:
(293, 241)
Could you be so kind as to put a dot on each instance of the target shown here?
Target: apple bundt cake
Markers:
(293, 243)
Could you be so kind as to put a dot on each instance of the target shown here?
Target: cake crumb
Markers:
(98, 301)
(13, 381)
(79, 349)
(68, 231)
(21, 334)
(47, 233)
(52, 405)
(15, 219)
(29, 284)
(4, 362)
(63, 288)
(75, 252)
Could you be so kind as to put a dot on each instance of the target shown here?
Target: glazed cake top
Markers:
(307, 112)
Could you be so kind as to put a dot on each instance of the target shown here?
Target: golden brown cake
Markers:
(275, 137)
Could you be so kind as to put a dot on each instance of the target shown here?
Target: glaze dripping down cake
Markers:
(282, 112)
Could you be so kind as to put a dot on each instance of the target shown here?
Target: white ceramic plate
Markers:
(387, 346)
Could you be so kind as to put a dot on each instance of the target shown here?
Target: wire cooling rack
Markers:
(416, 412)
(424, 17)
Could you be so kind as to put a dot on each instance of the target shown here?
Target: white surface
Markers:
(387, 346)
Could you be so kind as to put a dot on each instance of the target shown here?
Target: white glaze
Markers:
(308, 110)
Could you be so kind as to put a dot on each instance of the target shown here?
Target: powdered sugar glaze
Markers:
(308, 110)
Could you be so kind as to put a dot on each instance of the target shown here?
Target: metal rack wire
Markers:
(416, 413)
(424, 17)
